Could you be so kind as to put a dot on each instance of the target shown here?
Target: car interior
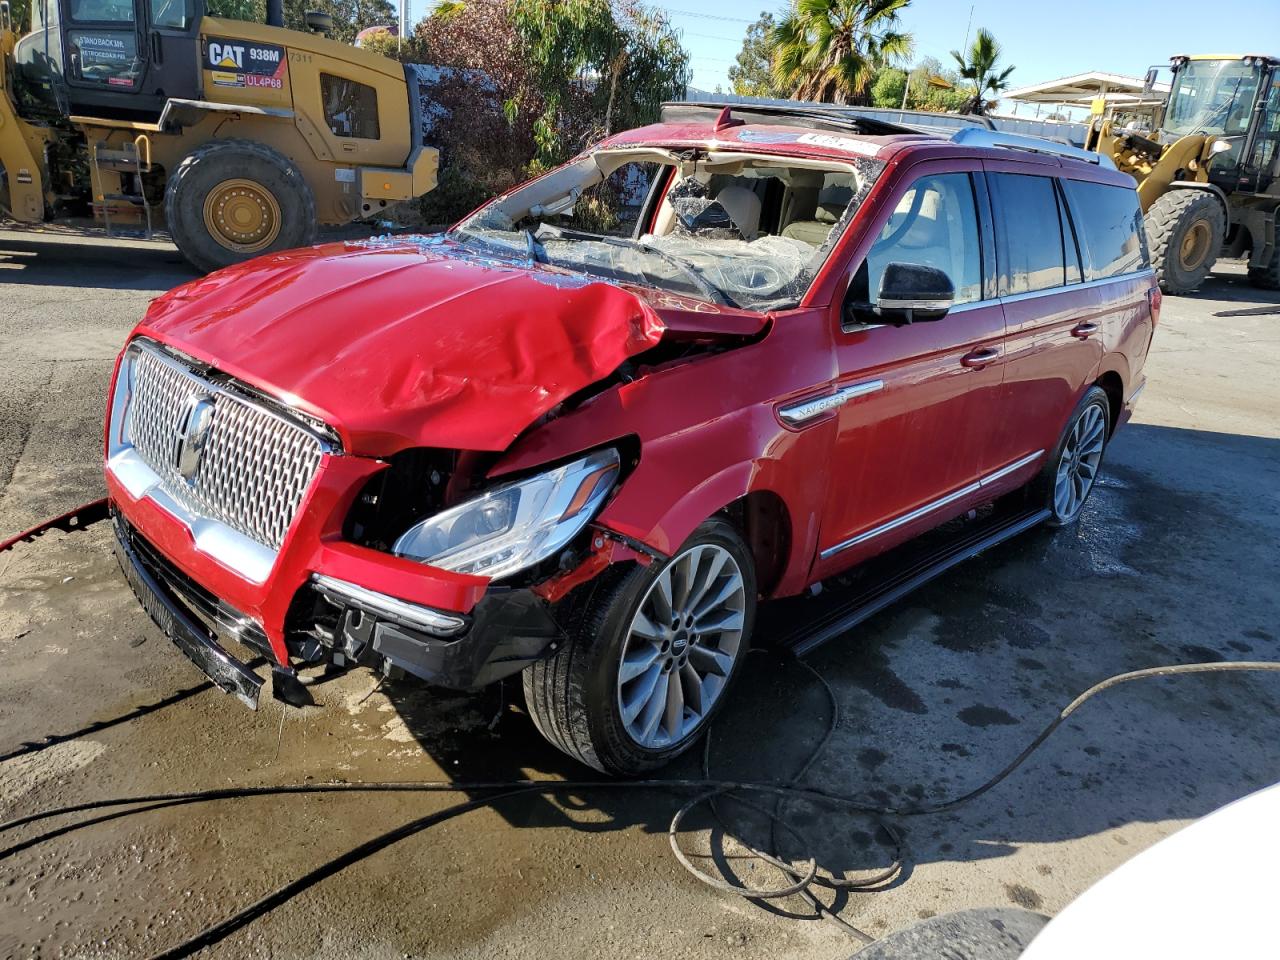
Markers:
(798, 203)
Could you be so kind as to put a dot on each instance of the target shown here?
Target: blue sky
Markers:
(1044, 41)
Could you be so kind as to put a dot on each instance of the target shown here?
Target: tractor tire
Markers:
(229, 200)
(1268, 277)
(1185, 229)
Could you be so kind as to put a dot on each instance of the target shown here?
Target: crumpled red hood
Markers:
(416, 344)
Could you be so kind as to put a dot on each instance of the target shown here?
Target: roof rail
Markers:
(977, 137)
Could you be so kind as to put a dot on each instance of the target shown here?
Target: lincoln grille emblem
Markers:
(194, 424)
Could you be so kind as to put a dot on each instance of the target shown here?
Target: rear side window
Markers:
(1110, 221)
(1029, 231)
(350, 108)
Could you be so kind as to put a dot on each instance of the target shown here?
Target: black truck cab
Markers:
(120, 59)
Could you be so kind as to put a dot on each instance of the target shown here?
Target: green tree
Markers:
(932, 87)
(387, 44)
(980, 67)
(20, 11)
(511, 90)
(255, 11)
(752, 74)
(918, 78)
(621, 57)
(828, 50)
(888, 88)
(349, 16)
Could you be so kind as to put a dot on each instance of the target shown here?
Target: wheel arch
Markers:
(737, 493)
(763, 519)
(1212, 188)
(1112, 383)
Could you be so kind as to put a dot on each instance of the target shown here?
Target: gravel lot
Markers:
(1176, 559)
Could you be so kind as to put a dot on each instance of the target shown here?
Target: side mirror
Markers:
(913, 292)
(1149, 83)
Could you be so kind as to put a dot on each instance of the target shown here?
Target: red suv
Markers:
(584, 433)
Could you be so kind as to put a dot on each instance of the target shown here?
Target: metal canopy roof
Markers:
(1083, 88)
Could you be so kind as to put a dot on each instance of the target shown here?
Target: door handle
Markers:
(1084, 330)
(979, 358)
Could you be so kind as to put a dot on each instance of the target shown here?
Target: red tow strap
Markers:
(76, 519)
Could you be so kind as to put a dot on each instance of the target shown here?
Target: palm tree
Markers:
(979, 67)
(828, 50)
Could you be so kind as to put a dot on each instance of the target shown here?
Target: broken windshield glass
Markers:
(745, 230)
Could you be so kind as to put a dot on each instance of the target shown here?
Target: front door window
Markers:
(935, 224)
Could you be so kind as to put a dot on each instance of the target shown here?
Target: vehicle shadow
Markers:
(72, 261)
(68, 259)
(940, 691)
(1230, 282)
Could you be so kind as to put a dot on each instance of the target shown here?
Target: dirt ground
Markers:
(1176, 559)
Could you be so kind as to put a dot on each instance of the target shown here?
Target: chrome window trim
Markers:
(805, 410)
(1033, 294)
(933, 505)
(886, 304)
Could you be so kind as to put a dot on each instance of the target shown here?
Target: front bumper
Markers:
(156, 588)
(313, 546)
(508, 629)
(504, 632)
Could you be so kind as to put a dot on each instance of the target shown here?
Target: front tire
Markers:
(1185, 228)
(229, 200)
(650, 655)
(1070, 473)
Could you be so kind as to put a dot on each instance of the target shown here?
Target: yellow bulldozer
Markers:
(1208, 167)
(237, 138)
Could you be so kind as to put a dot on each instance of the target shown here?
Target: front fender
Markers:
(684, 478)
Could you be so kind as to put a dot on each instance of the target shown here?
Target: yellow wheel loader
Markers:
(236, 137)
(1209, 171)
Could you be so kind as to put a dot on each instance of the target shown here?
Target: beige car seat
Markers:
(832, 202)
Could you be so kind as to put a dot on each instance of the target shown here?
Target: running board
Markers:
(885, 580)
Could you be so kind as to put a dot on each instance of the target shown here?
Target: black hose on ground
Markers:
(706, 788)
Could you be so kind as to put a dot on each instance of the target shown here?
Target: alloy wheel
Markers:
(681, 646)
(1078, 465)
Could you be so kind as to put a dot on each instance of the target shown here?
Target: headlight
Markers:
(515, 525)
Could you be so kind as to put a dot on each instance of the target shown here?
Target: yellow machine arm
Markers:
(1153, 165)
(21, 145)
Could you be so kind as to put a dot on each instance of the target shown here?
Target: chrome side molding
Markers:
(930, 507)
(798, 413)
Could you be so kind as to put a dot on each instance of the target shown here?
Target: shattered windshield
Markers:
(730, 228)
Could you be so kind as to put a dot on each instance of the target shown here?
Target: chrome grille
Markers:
(255, 465)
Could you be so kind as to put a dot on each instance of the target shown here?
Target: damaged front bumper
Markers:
(338, 622)
(506, 631)
(159, 590)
